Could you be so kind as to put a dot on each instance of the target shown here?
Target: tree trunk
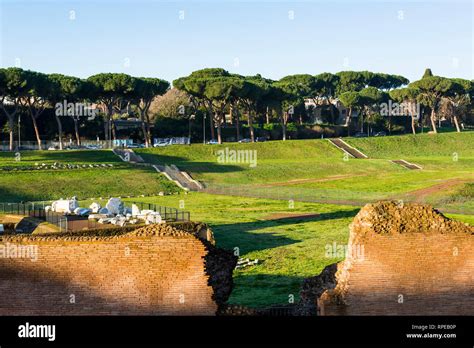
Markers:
(283, 126)
(237, 125)
(11, 141)
(455, 118)
(11, 125)
(145, 136)
(60, 132)
(348, 117)
(211, 125)
(433, 121)
(11, 121)
(144, 128)
(109, 108)
(114, 135)
(148, 128)
(76, 131)
(106, 128)
(413, 126)
(331, 109)
(219, 128)
(251, 129)
(267, 115)
(231, 114)
(219, 134)
(35, 126)
(348, 121)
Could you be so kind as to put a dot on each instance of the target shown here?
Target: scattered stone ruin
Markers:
(154, 270)
(415, 261)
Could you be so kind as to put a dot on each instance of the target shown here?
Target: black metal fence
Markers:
(167, 213)
(59, 220)
(28, 209)
(50, 145)
(77, 223)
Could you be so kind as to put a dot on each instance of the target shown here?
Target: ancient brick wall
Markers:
(156, 272)
(406, 260)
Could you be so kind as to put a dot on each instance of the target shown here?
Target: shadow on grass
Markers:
(80, 156)
(38, 185)
(264, 290)
(185, 164)
(241, 235)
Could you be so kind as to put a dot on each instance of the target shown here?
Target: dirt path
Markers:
(421, 194)
(305, 181)
(278, 216)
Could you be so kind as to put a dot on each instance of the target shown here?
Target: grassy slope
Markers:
(421, 145)
(328, 177)
(30, 158)
(121, 180)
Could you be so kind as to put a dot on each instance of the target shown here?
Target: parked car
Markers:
(133, 146)
(161, 143)
(245, 140)
(213, 142)
(93, 147)
(380, 134)
(360, 135)
(261, 139)
(52, 148)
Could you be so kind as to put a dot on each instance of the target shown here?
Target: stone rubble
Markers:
(56, 166)
(242, 263)
(115, 212)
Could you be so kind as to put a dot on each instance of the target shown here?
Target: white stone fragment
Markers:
(115, 206)
(65, 206)
(135, 210)
(95, 207)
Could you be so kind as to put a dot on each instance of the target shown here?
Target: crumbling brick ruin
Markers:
(415, 261)
(154, 270)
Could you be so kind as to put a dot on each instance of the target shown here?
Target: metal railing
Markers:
(76, 223)
(167, 213)
(67, 145)
(31, 209)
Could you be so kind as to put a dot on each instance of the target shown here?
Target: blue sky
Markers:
(151, 38)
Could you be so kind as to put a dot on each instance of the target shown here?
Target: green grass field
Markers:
(420, 145)
(30, 158)
(33, 185)
(314, 170)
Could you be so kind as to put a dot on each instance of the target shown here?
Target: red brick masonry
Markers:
(132, 274)
(415, 261)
